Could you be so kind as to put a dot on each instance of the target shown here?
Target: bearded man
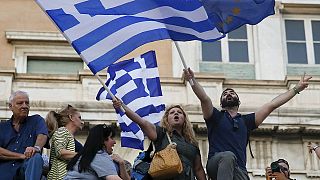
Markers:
(228, 130)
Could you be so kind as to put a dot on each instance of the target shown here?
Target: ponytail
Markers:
(52, 122)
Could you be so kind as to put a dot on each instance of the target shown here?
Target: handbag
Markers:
(166, 163)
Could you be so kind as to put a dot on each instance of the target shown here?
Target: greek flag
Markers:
(136, 82)
(103, 31)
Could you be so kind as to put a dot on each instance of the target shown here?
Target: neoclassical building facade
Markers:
(259, 62)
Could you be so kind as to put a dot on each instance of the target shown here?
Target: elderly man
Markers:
(21, 140)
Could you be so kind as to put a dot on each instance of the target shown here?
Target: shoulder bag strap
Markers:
(154, 148)
(248, 136)
(169, 139)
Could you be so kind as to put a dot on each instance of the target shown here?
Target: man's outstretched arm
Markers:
(267, 108)
(206, 103)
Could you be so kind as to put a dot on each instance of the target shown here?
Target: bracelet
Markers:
(315, 147)
(295, 90)
(37, 149)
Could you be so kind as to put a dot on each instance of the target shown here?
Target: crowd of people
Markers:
(23, 136)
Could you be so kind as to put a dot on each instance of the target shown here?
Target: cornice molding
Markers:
(309, 9)
(275, 130)
(7, 71)
(34, 36)
(26, 77)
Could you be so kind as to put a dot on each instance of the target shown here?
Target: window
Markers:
(211, 51)
(47, 59)
(45, 65)
(231, 56)
(296, 42)
(303, 41)
(233, 48)
(238, 45)
(43, 53)
(316, 40)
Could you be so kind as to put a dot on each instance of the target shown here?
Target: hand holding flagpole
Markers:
(108, 90)
(183, 61)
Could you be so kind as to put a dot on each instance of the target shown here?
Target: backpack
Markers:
(141, 165)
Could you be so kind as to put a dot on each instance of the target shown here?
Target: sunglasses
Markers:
(283, 161)
(283, 169)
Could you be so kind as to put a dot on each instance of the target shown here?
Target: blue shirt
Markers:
(230, 134)
(101, 167)
(78, 145)
(19, 141)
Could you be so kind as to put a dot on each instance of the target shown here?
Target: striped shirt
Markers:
(61, 139)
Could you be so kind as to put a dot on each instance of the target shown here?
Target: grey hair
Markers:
(14, 94)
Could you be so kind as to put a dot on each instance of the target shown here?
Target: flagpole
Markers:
(107, 89)
(183, 61)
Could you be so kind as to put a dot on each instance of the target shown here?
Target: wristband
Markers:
(315, 147)
(295, 90)
(38, 149)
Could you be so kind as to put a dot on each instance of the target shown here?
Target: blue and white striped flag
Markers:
(103, 31)
(136, 82)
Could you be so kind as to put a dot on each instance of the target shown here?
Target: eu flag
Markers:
(229, 15)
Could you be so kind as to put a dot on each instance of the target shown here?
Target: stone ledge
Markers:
(301, 8)
(261, 173)
(272, 129)
(46, 77)
(7, 70)
(34, 36)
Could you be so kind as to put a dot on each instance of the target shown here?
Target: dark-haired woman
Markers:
(94, 161)
(62, 126)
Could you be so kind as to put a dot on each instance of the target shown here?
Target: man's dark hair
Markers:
(229, 89)
(283, 161)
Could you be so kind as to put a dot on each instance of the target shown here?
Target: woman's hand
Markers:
(117, 159)
(116, 103)
(188, 74)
